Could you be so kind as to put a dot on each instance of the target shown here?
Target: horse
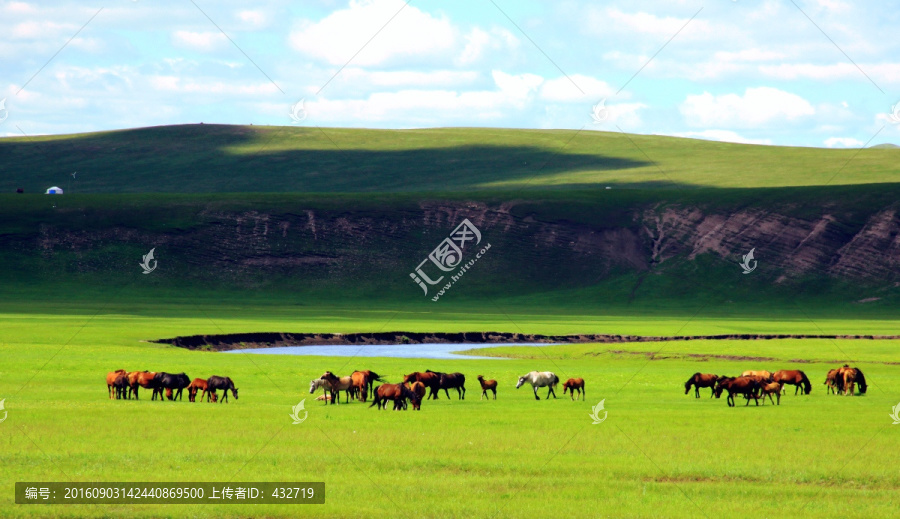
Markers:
(336, 385)
(419, 389)
(120, 384)
(198, 385)
(364, 383)
(455, 381)
(399, 393)
(854, 376)
(831, 382)
(317, 383)
(699, 380)
(111, 380)
(146, 380)
(794, 378)
(768, 390)
(487, 385)
(170, 381)
(224, 383)
(572, 385)
(746, 386)
(540, 379)
(429, 378)
(761, 376)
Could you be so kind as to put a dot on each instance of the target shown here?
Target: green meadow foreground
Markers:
(658, 453)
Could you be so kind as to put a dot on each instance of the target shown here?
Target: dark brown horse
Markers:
(572, 385)
(793, 377)
(430, 379)
(398, 393)
(699, 380)
(487, 385)
(747, 386)
(120, 385)
(214, 383)
(853, 376)
(455, 381)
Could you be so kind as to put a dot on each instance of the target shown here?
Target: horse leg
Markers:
(536, 397)
(483, 391)
(447, 393)
(495, 393)
(463, 392)
(551, 392)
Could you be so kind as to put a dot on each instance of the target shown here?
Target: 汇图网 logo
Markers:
(595, 415)
(895, 415)
(746, 263)
(3, 412)
(145, 263)
(295, 414)
(448, 254)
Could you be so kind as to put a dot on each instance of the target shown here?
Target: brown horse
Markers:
(761, 376)
(455, 381)
(398, 393)
(699, 380)
(831, 383)
(198, 385)
(795, 378)
(431, 380)
(572, 385)
(419, 389)
(768, 390)
(120, 385)
(364, 383)
(854, 376)
(111, 380)
(335, 384)
(746, 386)
(146, 380)
(487, 385)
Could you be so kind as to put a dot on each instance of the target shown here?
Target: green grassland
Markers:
(659, 453)
(222, 159)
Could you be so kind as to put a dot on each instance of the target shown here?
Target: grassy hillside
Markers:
(218, 158)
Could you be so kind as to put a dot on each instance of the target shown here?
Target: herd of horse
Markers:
(123, 384)
(422, 385)
(760, 384)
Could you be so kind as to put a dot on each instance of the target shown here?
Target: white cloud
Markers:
(721, 135)
(478, 41)
(203, 41)
(843, 142)
(645, 23)
(576, 87)
(341, 34)
(252, 19)
(757, 107)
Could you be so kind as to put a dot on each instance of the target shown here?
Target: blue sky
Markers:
(801, 72)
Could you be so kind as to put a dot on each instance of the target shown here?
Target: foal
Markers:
(487, 385)
(572, 385)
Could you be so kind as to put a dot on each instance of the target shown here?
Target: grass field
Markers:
(659, 453)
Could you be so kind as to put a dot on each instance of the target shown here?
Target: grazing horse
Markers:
(746, 386)
(761, 376)
(794, 378)
(429, 378)
(120, 384)
(572, 385)
(214, 383)
(854, 376)
(198, 385)
(455, 381)
(487, 385)
(699, 380)
(364, 383)
(831, 384)
(768, 390)
(399, 393)
(419, 389)
(326, 387)
(336, 385)
(111, 380)
(539, 379)
(146, 380)
(171, 381)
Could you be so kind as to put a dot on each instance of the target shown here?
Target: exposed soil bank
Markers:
(234, 341)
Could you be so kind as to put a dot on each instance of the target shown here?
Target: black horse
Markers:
(214, 383)
(175, 382)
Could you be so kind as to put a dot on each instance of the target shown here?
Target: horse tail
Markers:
(861, 382)
(807, 385)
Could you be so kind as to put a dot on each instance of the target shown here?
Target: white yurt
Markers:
(54, 191)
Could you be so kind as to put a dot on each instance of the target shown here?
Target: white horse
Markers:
(345, 385)
(540, 379)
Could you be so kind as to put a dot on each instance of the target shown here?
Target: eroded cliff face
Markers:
(652, 237)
